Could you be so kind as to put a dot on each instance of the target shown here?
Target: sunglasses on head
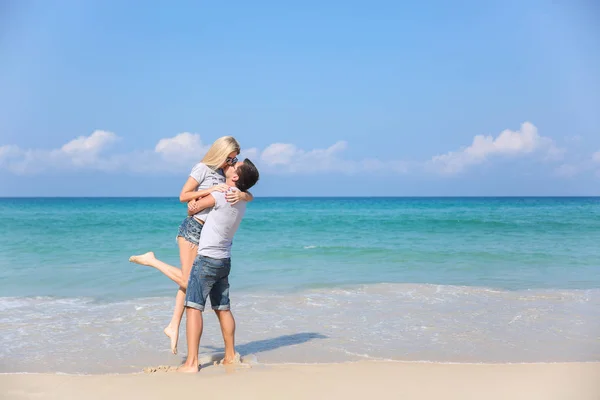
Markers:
(231, 160)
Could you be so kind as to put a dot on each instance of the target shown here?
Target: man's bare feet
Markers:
(173, 334)
(143, 259)
(186, 369)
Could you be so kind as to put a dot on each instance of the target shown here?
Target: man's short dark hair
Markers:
(247, 175)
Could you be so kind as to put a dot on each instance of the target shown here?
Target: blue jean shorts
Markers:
(209, 277)
(190, 230)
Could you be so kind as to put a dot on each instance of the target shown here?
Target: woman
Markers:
(206, 177)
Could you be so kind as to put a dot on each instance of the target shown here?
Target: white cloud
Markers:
(279, 154)
(89, 145)
(596, 157)
(184, 148)
(286, 157)
(179, 153)
(89, 152)
(83, 152)
(507, 143)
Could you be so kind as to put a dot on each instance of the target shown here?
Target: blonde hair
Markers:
(219, 151)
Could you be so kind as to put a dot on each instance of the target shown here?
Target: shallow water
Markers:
(313, 280)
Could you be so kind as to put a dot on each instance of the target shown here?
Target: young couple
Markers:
(216, 193)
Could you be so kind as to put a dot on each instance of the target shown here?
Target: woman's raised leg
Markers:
(187, 255)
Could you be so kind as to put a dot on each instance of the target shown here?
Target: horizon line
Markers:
(312, 197)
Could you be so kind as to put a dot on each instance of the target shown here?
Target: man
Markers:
(210, 272)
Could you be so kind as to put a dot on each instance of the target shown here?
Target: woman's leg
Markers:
(170, 271)
(187, 255)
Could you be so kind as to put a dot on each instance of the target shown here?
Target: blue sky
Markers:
(111, 98)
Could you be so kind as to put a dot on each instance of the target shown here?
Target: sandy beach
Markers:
(547, 381)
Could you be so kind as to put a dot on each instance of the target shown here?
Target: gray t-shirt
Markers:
(206, 178)
(220, 226)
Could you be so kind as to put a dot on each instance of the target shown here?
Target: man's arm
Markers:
(233, 196)
(196, 206)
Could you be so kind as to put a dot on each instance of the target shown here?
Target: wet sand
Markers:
(360, 380)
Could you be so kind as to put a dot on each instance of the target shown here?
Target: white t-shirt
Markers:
(206, 178)
(220, 226)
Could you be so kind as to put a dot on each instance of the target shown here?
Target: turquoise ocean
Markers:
(313, 280)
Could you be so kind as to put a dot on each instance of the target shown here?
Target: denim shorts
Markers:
(190, 230)
(209, 277)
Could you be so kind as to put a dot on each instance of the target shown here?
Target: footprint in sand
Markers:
(160, 368)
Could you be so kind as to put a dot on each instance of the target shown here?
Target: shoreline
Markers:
(276, 365)
(422, 380)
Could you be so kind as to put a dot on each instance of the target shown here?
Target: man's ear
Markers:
(235, 177)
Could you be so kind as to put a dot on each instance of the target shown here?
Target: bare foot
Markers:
(236, 359)
(186, 369)
(173, 334)
(143, 259)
